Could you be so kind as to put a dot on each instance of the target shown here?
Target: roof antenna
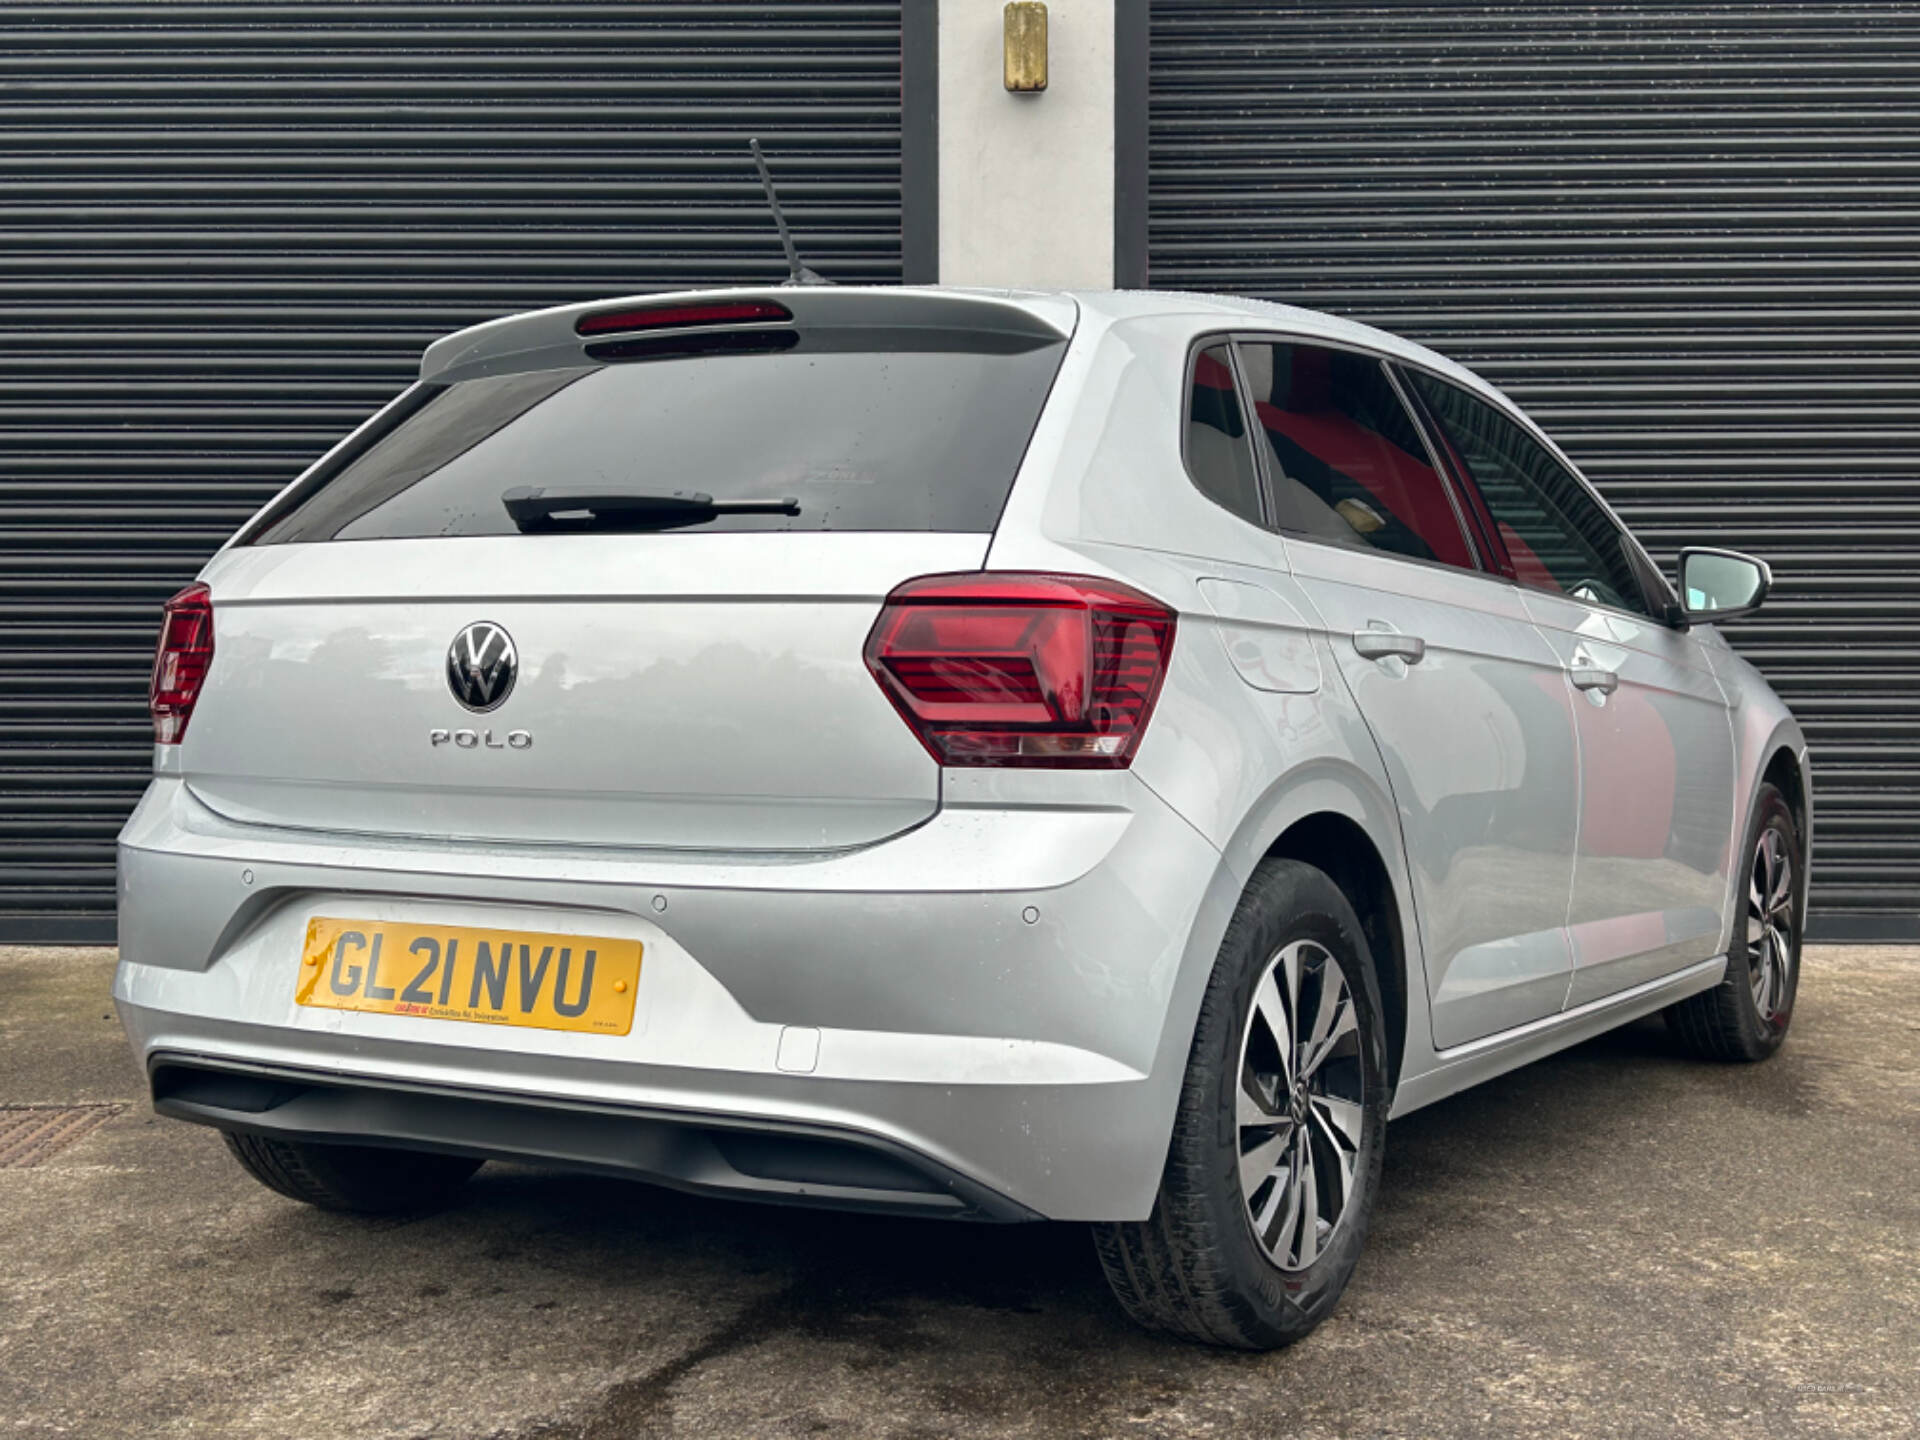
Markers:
(797, 274)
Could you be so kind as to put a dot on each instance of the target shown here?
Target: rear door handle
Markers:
(1387, 645)
(1592, 677)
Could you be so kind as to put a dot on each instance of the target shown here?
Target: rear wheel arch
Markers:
(1336, 845)
(1339, 817)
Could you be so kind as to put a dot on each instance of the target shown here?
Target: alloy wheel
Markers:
(1770, 951)
(1299, 1107)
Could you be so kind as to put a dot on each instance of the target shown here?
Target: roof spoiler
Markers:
(569, 335)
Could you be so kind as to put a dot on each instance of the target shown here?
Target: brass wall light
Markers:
(1026, 46)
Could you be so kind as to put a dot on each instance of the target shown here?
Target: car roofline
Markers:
(1058, 308)
(545, 338)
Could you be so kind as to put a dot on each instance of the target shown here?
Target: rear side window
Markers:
(924, 437)
(1556, 536)
(1219, 449)
(1349, 465)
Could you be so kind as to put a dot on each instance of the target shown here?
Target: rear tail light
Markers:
(180, 663)
(1021, 669)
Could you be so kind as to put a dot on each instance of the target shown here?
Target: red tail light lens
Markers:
(1020, 669)
(180, 664)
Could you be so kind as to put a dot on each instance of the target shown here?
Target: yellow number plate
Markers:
(450, 972)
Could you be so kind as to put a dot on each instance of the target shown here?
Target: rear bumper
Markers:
(788, 1162)
(975, 1060)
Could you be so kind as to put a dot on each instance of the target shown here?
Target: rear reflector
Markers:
(665, 317)
(180, 663)
(1023, 669)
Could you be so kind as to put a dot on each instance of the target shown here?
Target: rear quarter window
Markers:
(1219, 449)
(925, 435)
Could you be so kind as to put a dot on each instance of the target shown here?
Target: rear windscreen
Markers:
(924, 437)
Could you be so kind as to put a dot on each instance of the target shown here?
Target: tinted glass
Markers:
(1348, 462)
(866, 439)
(1219, 451)
(1556, 536)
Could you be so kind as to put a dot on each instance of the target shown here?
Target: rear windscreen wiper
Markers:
(539, 507)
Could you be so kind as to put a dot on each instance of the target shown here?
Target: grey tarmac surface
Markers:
(1614, 1242)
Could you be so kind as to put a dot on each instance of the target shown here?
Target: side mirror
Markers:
(1721, 584)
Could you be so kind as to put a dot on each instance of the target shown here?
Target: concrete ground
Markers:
(1614, 1242)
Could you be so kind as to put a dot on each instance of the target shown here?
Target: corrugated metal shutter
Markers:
(226, 232)
(1685, 236)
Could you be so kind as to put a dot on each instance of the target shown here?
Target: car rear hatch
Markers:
(604, 578)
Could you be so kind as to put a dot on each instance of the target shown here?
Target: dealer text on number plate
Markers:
(453, 972)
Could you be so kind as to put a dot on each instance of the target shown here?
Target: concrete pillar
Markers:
(1044, 189)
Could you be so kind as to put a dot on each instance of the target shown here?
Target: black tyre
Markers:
(1277, 1141)
(359, 1178)
(1745, 1016)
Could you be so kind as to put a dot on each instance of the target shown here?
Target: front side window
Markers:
(1348, 462)
(1556, 536)
(1219, 453)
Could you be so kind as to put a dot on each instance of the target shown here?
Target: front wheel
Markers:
(1745, 1016)
(1278, 1138)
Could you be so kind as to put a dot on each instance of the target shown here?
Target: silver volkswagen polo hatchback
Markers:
(1089, 757)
